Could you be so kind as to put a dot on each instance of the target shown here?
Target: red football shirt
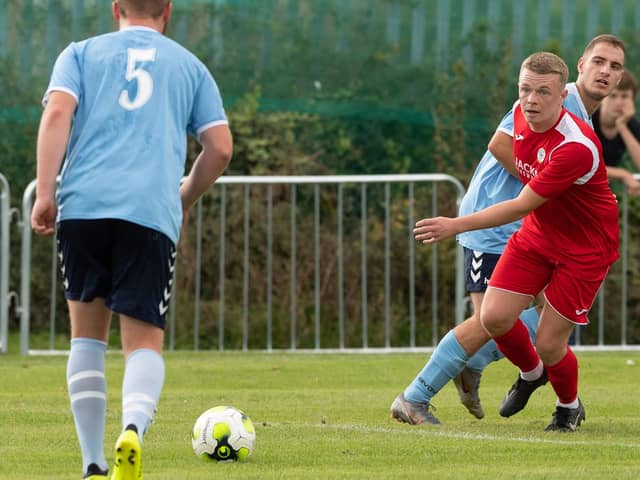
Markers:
(565, 165)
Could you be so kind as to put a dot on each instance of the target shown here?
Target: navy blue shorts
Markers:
(128, 265)
(478, 267)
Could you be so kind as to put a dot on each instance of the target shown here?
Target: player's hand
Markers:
(43, 215)
(632, 185)
(628, 111)
(431, 230)
(633, 188)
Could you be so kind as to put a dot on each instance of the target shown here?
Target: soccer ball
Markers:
(223, 434)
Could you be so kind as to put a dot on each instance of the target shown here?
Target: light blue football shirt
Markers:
(139, 93)
(491, 184)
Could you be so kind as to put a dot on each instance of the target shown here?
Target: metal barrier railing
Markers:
(293, 183)
(5, 220)
(623, 204)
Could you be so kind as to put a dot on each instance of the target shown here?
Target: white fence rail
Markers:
(292, 220)
(331, 184)
(5, 220)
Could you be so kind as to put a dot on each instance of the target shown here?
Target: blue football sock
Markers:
(88, 395)
(530, 319)
(489, 351)
(445, 363)
(483, 357)
(141, 387)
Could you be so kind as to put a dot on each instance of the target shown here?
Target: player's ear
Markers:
(166, 14)
(580, 64)
(115, 9)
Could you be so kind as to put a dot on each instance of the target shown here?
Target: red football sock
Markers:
(517, 347)
(564, 377)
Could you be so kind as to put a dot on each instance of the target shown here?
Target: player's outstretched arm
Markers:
(625, 176)
(53, 135)
(217, 147)
(501, 147)
(431, 230)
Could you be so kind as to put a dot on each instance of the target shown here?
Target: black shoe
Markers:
(566, 419)
(517, 398)
(95, 472)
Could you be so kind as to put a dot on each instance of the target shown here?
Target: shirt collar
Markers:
(139, 27)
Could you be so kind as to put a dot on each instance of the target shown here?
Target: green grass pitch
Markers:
(326, 416)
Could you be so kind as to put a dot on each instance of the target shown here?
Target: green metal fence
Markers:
(328, 56)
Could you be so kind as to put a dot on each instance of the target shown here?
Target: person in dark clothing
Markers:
(618, 129)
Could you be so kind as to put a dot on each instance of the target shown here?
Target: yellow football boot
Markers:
(128, 457)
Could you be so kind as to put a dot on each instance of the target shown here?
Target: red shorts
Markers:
(570, 287)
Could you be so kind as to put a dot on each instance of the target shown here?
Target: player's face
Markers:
(541, 97)
(600, 70)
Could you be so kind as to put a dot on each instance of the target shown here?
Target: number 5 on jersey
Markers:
(140, 75)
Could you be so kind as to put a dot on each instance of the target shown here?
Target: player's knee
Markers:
(494, 322)
(550, 352)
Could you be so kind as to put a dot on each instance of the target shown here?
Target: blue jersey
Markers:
(138, 93)
(491, 184)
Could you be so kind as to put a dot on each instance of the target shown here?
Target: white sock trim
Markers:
(137, 398)
(85, 374)
(147, 412)
(573, 405)
(534, 374)
(138, 402)
(88, 394)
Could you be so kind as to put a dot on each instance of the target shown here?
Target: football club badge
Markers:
(541, 155)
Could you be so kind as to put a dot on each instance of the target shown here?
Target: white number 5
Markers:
(145, 82)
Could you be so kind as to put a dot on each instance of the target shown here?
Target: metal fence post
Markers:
(5, 220)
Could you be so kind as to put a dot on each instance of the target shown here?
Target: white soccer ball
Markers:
(223, 434)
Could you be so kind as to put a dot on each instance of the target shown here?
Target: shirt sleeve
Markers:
(506, 124)
(208, 110)
(571, 163)
(634, 126)
(66, 75)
